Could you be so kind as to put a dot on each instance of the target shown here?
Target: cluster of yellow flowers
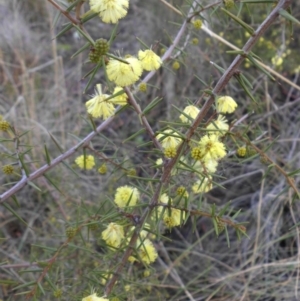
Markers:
(113, 235)
(209, 149)
(123, 72)
(207, 152)
(128, 70)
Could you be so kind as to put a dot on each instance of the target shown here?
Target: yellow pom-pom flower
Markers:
(202, 185)
(170, 152)
(98, 106)
(277, 61)
(149, 59)
(102, 169)
(212, 148)
(176, 65)
(195, 41)
(8, 169)
(120, 99)
(165, 199)
(110, 11)
(228, 4)
(181, 191)
(4, 125)
(219, 126)
(241, 151)
(190, 111)
(126, 196)
(226, 104)
(85, 162)
(147, 252)
(124, 74)
(143, 87)
(113, 235)
(172, 217)
(94, 297)
(168, 139)
(197, 24)
(197, 153)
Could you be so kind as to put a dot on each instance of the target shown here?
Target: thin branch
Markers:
(144, 120)
(65, 13)
(39, 172)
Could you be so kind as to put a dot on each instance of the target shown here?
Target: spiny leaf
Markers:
(99, 64)
(288, 16)
(253, 61)
(152, 105)
(247, 27)
(64, 30)
(84, 34)
(56, 142)
(7, 206)
(48, 159)
(84, 47)
(34, 186)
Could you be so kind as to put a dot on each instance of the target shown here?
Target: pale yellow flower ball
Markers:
(113, 235)
(219, 126)
(98, 106)
(168, 139)
(277, 60)
(120, 99)
(126, 196)
(172, 218)
(147, 252)
(190, 111)
(212, 148)
(159, 162)
(110, 11)
(124, 74)
(165, 199)
(88, 163)
(149, 59)
(94, 297)
(226, 104)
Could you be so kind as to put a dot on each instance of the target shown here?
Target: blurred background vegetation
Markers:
(41, 92)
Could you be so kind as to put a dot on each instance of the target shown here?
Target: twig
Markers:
(39, 172)
(64, 12)
(289, 179)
